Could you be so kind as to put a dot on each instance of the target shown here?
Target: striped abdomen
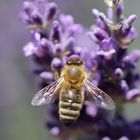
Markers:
(70, 104)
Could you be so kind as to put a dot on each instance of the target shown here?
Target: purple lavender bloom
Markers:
(121, 129)
(112, 58)
(103, 49)
(107, 48)
(37, 15)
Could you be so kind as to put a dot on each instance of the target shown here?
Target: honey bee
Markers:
(72, 89)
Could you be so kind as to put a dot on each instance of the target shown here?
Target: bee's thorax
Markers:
(73, 75)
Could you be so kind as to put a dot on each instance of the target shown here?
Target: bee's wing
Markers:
(48, 94)
(100, 97)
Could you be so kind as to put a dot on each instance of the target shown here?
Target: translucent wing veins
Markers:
(100, 97)
(48, 94)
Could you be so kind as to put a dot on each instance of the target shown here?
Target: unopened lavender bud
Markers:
(55, 25)
(96, 13)
(127, 24)
(135, 55)
(56, 32)
(92, 37)
(28, 7)
(38, 51)
(124, 85)
(46, 45)
(36, 36)
(100, 34)
(106, 138)
(119, 73)
(52, 8)
(56, 64)
(131, 19)
(130, 60)
(126, 61)
(102, 16)
(28, 49)
(133, 93)
(69, 43)
(110, 13)
(57, 50)
(125, 29)
(120, 9)
(91, 110)
(123, 138)
(37, 70)
(37, 19)
(77, 28)
(100, 23)
(55, 131)
(47, 75)
(104, 19)
(66, 20)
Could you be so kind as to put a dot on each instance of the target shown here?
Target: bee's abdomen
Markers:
(69, 111)
(69, 106)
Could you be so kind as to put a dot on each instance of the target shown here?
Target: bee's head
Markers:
(74, 61)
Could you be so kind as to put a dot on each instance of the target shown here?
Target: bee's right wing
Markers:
(99, 96)
(48, 94)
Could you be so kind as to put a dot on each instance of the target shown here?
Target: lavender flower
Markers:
(108, 63)
(112, 58)
(38, 14)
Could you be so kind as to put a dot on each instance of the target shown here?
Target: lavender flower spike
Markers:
(104, 51)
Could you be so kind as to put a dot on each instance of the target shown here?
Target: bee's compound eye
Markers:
(68, 62)
(74, 61)
(80, 62)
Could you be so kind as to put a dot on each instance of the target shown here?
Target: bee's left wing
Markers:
(48, 94)
(100, 97)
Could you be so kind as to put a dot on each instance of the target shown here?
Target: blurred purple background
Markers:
(18, 119)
